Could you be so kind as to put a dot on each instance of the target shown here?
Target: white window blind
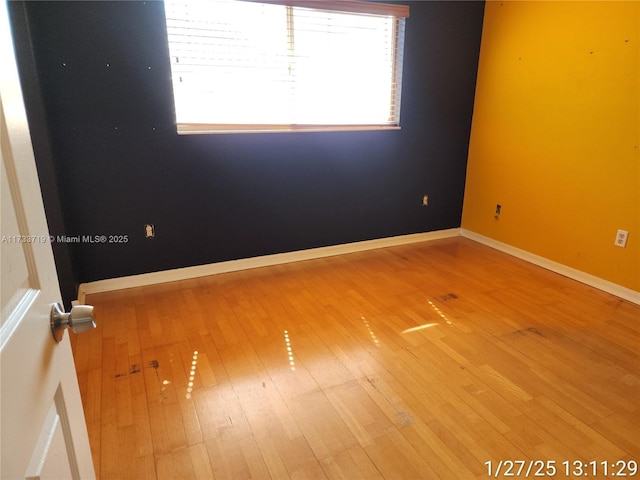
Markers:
(250, 66)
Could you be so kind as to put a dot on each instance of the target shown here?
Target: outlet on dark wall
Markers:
(97, 81)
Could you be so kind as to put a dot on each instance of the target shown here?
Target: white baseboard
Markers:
(254, 262)
(586, 278)
(321, 252)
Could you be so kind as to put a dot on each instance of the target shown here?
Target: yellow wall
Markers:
(555, 134)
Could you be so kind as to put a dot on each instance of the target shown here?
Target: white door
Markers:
(43, 430)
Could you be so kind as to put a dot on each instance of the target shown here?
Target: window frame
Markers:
(399, 12)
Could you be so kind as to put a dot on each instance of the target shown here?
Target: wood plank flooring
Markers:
(422, 361)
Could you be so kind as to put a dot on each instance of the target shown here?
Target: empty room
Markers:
(320, 239)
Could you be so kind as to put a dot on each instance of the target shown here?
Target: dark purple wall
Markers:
(106, 138)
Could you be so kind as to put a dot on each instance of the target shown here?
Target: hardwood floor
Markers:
(422, 361)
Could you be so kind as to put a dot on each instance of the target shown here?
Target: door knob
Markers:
(79, 319)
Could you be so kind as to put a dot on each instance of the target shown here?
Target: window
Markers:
(285, 65)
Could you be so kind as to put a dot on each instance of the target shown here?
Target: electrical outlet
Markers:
(149, 231)
(621, 238)
(425, 200)
(498, 210)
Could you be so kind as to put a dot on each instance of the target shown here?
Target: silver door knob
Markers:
(79, 319)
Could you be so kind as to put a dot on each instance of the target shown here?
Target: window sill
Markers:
(204, 128)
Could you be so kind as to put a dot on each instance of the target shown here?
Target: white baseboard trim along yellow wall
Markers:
(313, 253)
(591, 280)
